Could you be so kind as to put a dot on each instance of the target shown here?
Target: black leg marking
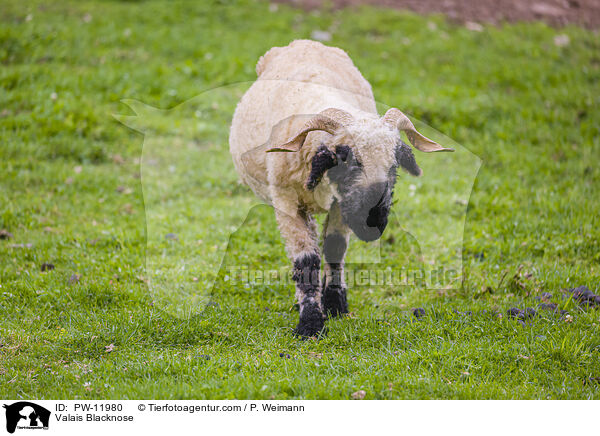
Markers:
(334, 291)
(306, 276)
(306, 272)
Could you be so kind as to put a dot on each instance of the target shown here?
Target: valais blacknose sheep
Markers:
(306, 137)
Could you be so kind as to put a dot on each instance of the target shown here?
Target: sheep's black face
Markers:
(366, 211)
(365, 207)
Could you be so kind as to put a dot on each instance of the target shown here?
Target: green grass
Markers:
(70, 186)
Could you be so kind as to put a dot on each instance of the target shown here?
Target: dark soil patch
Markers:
(585, 13)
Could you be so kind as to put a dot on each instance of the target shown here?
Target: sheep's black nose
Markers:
(366, 212)
(378, 214)
(378, 217)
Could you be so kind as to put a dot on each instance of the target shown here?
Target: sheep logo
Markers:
(26, 415)
(188, 235)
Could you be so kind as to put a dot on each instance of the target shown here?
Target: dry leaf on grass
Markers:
(359, 395)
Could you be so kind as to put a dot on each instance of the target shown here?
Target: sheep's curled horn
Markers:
(332, 119)
(397, 119)
(328, 121)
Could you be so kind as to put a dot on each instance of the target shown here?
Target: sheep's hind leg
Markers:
(335, 243)
(301, 242)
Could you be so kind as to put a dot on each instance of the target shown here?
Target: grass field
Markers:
(70, 187)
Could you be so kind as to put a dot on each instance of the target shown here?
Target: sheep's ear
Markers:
(406, 159)
(323, 160)
(400, 121)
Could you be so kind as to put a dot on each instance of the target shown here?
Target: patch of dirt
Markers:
(585, 13)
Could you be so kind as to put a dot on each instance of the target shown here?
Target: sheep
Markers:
(307, 139)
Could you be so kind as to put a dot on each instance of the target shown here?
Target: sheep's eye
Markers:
(343, 152)
(345, 155)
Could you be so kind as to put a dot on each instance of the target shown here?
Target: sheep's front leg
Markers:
(335, 242)
(300, 234)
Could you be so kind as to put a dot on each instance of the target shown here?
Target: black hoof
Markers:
(304, 331)
(334, 301)
(311, 323)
